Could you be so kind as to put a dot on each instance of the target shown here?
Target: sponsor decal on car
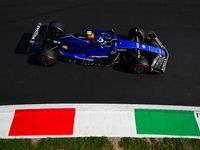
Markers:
(121, 50)
(98, 56)
(87, 59)
(36, 32)
(138, 45)
(56, 42)
(65, 47)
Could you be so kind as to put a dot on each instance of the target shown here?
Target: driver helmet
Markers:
(90, 35)
(100, 39)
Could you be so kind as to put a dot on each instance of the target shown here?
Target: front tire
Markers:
(47, 58)
(136, 34)
(139, 66)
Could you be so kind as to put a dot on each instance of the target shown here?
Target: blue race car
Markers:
(143, 53)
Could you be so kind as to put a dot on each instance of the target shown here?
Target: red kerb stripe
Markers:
(31, 122)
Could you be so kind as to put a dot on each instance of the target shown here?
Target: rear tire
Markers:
(47, 57)
(139, 66)
(56, 28)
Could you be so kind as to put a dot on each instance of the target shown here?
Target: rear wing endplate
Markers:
(39, 34)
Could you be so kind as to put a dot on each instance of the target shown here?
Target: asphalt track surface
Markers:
(24, 81)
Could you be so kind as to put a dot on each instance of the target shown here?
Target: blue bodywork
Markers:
(125, 44)
(92, 51)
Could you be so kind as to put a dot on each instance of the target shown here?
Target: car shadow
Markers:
(23, 48)
(122, 67)
(125, 67)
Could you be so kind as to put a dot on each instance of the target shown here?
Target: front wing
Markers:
(160, 61)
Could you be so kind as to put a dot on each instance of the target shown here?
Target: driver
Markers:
(100, 40)
(90, 35)
(96, 41)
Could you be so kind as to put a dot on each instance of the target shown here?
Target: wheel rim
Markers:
(139, 68)
(45, 61)
(56, 32)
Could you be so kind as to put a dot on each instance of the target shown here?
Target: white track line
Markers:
(98, 107)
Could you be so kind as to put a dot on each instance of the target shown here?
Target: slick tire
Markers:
(136, 34)
(139, 66)
(56, 28)
(47, 57)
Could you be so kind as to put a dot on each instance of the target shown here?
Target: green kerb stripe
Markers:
(166, 122)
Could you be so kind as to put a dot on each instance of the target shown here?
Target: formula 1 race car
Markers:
(100, 48)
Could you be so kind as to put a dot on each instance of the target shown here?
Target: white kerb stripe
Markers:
(104, 123)
(197, 117)
(5, 123)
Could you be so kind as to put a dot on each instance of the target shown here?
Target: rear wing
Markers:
(39, 34)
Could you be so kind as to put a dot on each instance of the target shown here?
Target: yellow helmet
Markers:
(89, 33)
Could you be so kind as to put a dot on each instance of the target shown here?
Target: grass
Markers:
(100, 143)
(160, 144)
(15, 144)
(90, 143)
